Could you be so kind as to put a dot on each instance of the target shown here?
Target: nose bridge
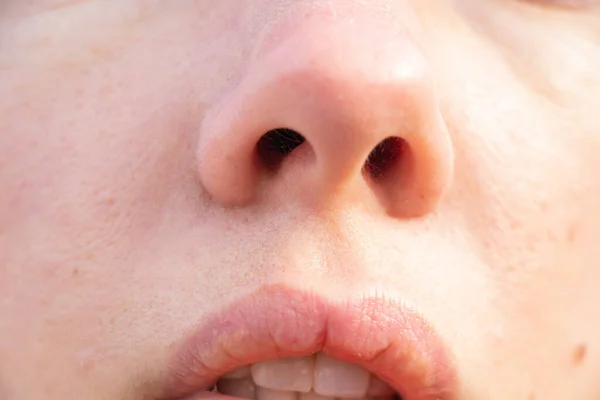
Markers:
(345, 85)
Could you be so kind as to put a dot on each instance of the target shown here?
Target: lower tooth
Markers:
(243, 388)
(271, 394)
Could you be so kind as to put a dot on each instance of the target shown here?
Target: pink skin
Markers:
(135, 207)
(306, 76)
(380, 334)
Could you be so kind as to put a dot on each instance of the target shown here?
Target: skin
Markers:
(131, 208)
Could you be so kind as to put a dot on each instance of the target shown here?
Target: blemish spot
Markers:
(85, 360)
(532, 396)
(75, 271)
(579, 354)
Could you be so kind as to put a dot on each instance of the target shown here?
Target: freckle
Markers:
(515, 225)
(75, 272)
(572, 233)
(532, 396)
(579, 354)
(107, 199)
(100, 52)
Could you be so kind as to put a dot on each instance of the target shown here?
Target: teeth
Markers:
(244, 388)
(294, 374)
(316, 377)
(339, 379)
(270, 394)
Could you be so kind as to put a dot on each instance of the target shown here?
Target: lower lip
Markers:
(377, 333)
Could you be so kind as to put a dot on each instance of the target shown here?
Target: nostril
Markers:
(276, 144)
(384, 157)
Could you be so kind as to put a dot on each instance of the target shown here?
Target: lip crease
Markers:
(380, 334)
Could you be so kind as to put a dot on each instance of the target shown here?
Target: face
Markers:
(187, 187)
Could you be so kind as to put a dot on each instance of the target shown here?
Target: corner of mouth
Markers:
(389, 341)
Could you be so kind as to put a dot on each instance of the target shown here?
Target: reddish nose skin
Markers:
(346, 86)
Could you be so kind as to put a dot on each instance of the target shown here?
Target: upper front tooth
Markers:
(339, 379)
(293, 374)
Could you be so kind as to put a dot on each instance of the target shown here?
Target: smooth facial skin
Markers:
(134, 205)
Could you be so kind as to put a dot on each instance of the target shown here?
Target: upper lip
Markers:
(381, 334)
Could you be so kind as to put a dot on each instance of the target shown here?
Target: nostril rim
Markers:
(384, 157)
(276, 144)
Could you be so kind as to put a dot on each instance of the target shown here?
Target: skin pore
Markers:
(133, 205)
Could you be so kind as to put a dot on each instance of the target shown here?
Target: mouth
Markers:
(280, 343)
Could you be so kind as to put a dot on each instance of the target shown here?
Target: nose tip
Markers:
(330, 109)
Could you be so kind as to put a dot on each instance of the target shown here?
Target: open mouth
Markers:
(281, 343)
(315, 377)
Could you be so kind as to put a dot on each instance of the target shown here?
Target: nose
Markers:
(330, 110)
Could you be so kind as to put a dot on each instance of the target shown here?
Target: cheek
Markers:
(103, 152)
(524, 162)
(109, 154)
(527, 194)
(532, 186)
(113, 140)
